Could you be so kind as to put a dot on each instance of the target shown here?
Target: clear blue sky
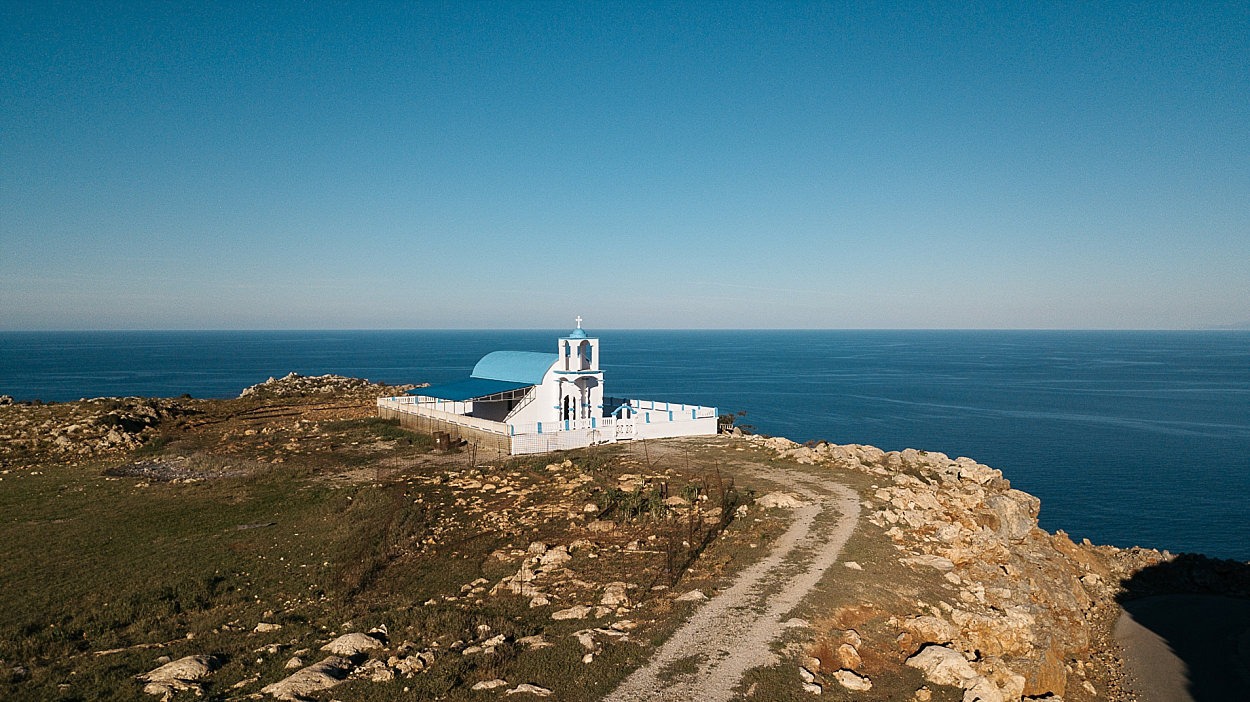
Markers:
(464, 165)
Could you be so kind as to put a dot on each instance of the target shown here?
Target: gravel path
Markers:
(733, 631)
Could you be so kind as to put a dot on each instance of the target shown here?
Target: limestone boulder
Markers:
(615, 594)
(852, 680)
(177, 676)
(1009, 633)
(189, 668)
(575, 612)
(1016, 513)
(943, 666)
(930, 630)
(848, 657)
(317, 677)
(781, 500)
(555, 557)
(349, 645)
(779, 443)
(983, 690)
(929, 560)
(529, 689)
(973, 472)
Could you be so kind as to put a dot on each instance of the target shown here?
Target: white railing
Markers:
(649, 419)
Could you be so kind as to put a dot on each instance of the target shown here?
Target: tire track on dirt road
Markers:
(733, 631)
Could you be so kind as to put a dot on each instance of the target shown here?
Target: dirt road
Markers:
(733, 631)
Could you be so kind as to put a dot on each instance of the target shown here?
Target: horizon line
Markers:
(1219, 328)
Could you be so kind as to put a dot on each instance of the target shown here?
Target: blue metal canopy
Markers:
(469, 389)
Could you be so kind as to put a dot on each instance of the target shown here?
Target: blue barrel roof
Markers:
(468, 389)
(527, 367)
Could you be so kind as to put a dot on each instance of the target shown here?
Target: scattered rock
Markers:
(409, 666)
(692, 596)
(586, 638)
(555, 557)
(187, 668)
(852, 681)
(614, 595)
(983, 690)
(315, 678)
(930, 629)
(535, 641)
(349, 645)
(783, 500)
(932, 561)
(490, 684)
(178, 676)
(848, 657)
(943, 666)
(527, 688)
(375, 671)
(575, 612)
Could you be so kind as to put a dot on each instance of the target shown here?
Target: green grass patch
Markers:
(380, 429)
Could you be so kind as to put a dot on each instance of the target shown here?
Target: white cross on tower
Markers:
(579, 321)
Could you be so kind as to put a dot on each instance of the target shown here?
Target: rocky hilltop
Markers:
(103, 426)
(536, 576)
(296, 385)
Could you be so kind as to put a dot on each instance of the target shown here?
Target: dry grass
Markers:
(314, 515)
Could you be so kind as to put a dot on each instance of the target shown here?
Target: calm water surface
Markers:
(1129, 438)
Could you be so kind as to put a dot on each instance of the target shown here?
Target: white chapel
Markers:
(518, 402)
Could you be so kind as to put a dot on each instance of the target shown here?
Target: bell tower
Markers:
(581, 381)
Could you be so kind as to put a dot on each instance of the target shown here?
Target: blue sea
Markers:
(1129, 438)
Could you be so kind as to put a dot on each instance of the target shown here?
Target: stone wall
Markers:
(498, 444)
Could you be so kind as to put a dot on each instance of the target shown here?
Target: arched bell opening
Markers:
(585, 353)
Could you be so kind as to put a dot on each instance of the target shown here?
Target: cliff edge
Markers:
(214, 547)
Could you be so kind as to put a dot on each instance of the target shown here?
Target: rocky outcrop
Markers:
(184, 674)
(1018, 623)
(84, 429)
(349, 645)
(323, 675)
(296, 385)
